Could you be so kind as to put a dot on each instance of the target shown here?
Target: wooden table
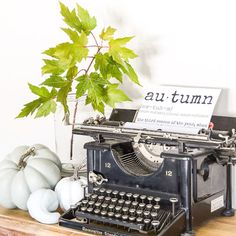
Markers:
(17, 222)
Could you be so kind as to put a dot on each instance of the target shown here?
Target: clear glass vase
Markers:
(70, 149)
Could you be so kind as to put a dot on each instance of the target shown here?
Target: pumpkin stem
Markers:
(22, 162)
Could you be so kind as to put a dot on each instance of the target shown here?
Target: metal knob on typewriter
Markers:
(155, 224)
(122, 194)
(115, 193)
(150, 199)
(157, 200)
(135, 196)
(129, 195)
(143, 197)
(108, 192)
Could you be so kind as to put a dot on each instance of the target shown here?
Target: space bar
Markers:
(80, 214)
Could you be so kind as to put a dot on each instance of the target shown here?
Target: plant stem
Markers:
(76, 104)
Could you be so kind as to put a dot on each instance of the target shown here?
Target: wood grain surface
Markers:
(17, 222)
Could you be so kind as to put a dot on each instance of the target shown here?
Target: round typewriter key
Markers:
(114, 200)
(108, 192)
(91, 203)
(111, 214)
(139, 220)
(117, 215)
(107, 199)
(147, 224)
(139, 212)
(121, 202)
(157, 200)
(125, 210)
(101, 198)
(149, 207)
(156, 207)
(125, 217)
(122, 194)
(132, 218)
(173, 200)
(87, 195)
(129, 195)
(103, 213)
(154, 215)
(94, 197)
(118, 209)
(115, 193)
(104, 206)
(89, 209)
(150, 199)
(127, 203)
(102, 190)
(146, 214)
(97, 211)
(83, 208)
(135, 196)
(141, 205)
(98, 204)
(84, 202)
(111, 207)
(132, 212)
(134, 204)
(143, 197)
(155, 224)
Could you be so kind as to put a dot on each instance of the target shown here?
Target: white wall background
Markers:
(185, 42)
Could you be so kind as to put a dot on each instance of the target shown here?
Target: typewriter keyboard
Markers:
(130, 211)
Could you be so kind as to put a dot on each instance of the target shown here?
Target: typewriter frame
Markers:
(187, 160)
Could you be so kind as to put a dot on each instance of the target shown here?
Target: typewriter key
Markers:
(117, 215)
(154, 215)
(143, 197)
(150, 199)
(139, 220)
(102, 190)
(107, 199)
(135, 196)
(108, 192)
(121, 202)
(127, 203)
(173, 200)
(134, 204)
(103, 213)
(114, 200)
(95, 189)
(97, 211)
(87, 195)
(111, 207)
(104, 206)
(84, 202)
(94, 197)
(118, 209)
(83, 208)
(129, 195)
(146, 214)
(139, 212)
(157, 200)
(156, 207)
(155, 224)
(149, 207)
(141, 206)
(147, 224)
(98, 204)
(125, 217)
(132, 218)
(101, 198)
(122, 194)
(125, 210)
(115, 193)
(111, 214)
(89, 209)
(132, 212)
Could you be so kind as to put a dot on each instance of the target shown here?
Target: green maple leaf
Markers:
(55, 67)
(29, 108)
(72, 34)
(72, 72)
(128, 70)
(55, 81)
(41, 92)
(70, 17)
(88, 23)
(82, 86)
(115, 95)
(108, 33)
(46, 108)
(119, 52)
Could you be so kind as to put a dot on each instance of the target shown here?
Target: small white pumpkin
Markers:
(41, 203)
(70, 190)
(25, 170)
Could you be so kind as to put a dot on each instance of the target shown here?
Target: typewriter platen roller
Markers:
(145, 182)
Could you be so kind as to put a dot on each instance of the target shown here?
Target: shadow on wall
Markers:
(145, 45)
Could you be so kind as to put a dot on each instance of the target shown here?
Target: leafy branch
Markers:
(99, 80)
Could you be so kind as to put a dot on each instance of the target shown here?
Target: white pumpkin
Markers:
(41, 203)
(70, 191)
(25, 170)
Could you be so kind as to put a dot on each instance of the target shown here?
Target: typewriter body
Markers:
(146, 182)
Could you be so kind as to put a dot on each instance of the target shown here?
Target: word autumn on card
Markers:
(177, 109)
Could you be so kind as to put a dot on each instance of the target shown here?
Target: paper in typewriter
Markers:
(177, 109)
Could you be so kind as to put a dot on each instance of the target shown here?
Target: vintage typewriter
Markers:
(151, 182)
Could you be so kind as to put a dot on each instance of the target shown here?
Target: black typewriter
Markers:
(150, 182)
